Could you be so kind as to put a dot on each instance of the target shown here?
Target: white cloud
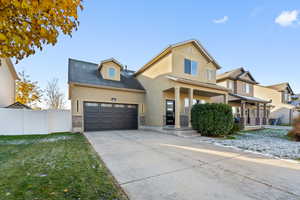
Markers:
(221, 21)
(287, 18)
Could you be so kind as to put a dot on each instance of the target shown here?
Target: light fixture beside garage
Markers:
(113, 99)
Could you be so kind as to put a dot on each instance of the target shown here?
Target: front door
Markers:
(170, 112)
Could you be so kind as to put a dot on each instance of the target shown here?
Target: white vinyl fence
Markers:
(29, 122)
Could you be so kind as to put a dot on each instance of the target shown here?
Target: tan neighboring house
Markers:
(249, 108)
(107, 96)
(8, 77)
(281, 96)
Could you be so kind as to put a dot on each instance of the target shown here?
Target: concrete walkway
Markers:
(150, 165)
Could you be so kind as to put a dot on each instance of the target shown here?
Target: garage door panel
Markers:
(107, 116)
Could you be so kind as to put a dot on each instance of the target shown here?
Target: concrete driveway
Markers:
(150, 165)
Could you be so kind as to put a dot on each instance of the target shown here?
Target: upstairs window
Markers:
(210, 74)
(247, 88)
(287, 97)
(190, 67)
(230, 85)
(111, 73)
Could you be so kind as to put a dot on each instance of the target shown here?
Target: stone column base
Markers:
(77, 123)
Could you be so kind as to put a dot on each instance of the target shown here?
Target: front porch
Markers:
(252, 113)
(180, 99)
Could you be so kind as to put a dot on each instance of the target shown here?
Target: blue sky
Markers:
(262, 36)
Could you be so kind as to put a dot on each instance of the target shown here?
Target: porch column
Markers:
(226, 98)
(257, 114)
(243, 108)
(265, 115)
(191, 96)
(177, 107)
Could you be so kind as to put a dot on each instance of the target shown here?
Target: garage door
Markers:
(108, 116)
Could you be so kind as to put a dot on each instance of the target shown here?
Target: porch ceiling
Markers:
(198, 92)
(199, 88)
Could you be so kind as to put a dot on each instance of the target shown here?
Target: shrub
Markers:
(235, 128)
(295, 133)
(212, 119)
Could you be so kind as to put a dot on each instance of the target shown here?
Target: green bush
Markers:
(235, 128)
(212, 119)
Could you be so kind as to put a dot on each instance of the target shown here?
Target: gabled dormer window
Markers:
(246, 88)
(111, 73)
(190, 67)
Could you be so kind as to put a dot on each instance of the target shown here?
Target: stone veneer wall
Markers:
(77, 123)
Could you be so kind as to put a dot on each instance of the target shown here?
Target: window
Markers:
(247, 88)
(119, 106)
(111, 72)
(91, 104)
(186, 102)
(234, 110)
(190, 67)
(131, 106)
(287, 97)
(230, 84)
(211, 75)
(77, 106)
(106, 105)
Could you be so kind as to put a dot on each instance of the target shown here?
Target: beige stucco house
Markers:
(281, 97)
(248, 107)
(108, 96)
(8, 77)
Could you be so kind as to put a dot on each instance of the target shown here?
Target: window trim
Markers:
(247, 88)
(190, 70)
(231, 83)
(210, 74)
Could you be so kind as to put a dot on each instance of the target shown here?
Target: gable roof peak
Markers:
(168, 49)
(110, 60)
(237, 74)
(282, 87)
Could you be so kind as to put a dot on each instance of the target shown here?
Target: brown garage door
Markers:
(108, 116)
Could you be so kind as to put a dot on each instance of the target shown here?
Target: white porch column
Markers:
(191, 96)
(226, 98)
(243, 117)
(177, 107)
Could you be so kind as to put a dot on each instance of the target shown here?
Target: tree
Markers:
(28, 25)
(54, 98)
(27, 91)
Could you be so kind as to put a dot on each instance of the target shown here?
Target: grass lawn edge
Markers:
(114, 180)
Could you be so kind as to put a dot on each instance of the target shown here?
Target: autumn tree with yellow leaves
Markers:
(28, 25)
(27, 91)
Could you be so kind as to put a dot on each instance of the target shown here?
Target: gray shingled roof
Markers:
(87, 73)
(236, 74)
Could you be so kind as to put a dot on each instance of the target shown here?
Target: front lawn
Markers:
(55, 166)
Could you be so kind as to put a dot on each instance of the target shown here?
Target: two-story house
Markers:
(108, 96)
(249, 109)
(8, 77)
(281, 96)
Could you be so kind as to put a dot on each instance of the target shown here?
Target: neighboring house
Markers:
(107, 96)
(249, 109)
(296, 100)
(281, 96)
(8, 77)
(18, 105)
